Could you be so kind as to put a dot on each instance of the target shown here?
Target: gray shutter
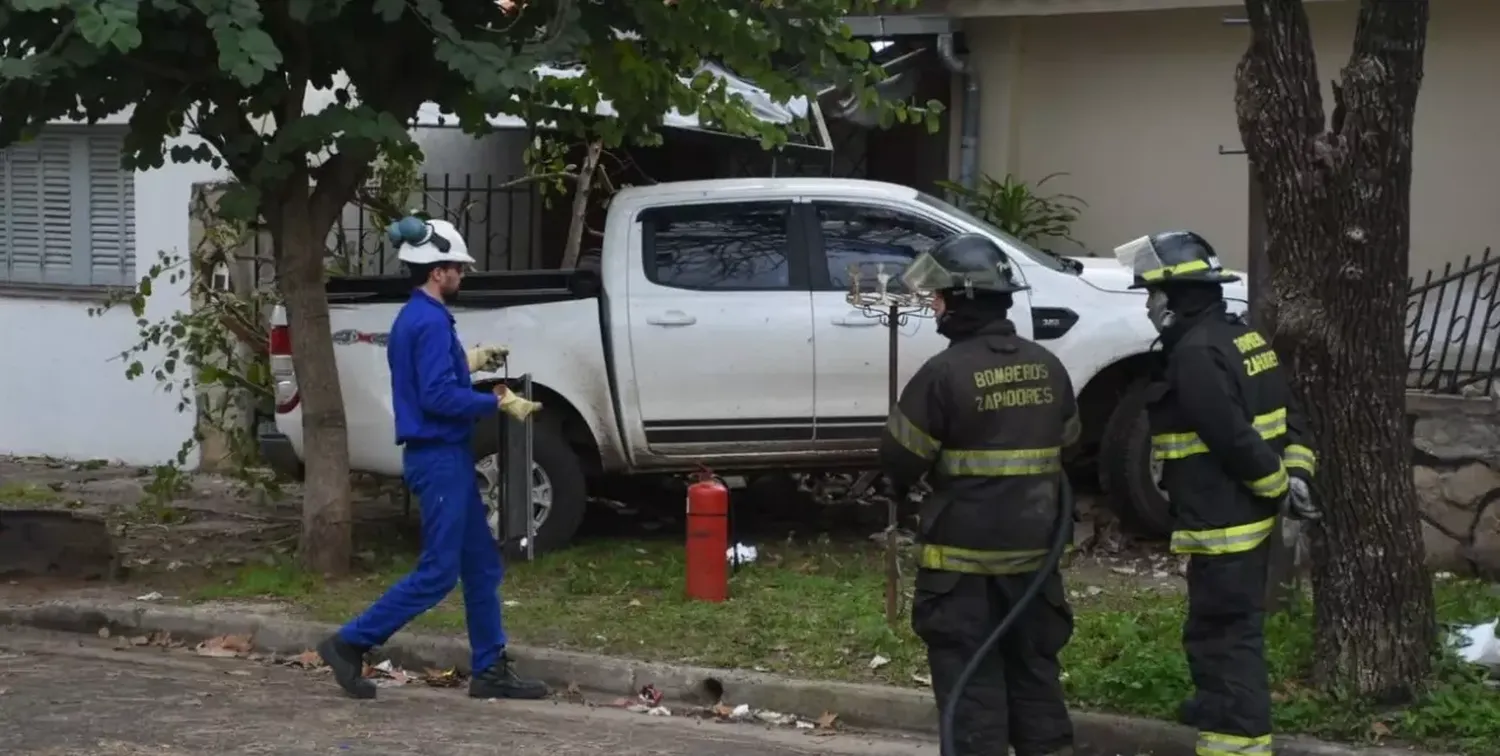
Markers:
(111, 214)
(67, 209)
(40, 225)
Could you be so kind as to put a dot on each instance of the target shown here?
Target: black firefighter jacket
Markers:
(987, 418)
(1227, 431)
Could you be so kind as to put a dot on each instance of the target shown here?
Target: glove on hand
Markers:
(515, 406)
(486, 359)
(1299, 502)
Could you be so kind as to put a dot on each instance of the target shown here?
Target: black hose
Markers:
(1060, 538)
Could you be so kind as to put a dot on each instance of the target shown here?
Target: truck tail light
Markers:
(283, 375)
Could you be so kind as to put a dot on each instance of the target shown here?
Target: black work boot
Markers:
(348, 664)
(500, 681)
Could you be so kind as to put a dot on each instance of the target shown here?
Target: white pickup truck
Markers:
(716, 331)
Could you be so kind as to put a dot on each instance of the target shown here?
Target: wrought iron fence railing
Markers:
(1453, 327)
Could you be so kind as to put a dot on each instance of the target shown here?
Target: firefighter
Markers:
(986, 419)
(1235, 455)
(435, 409)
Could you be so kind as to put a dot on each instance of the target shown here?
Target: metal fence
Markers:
(499, 218)
(1453, 326)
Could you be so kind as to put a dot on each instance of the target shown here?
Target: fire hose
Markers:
(1060, 538)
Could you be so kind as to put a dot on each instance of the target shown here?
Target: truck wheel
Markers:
(558, 496)
(1129, 475)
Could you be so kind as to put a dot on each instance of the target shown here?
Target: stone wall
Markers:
(1456, 467)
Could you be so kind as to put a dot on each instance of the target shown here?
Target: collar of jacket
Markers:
(421, 296)
(997, 334)
(1187, 322)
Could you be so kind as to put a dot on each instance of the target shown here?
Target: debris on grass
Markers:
(879, 661)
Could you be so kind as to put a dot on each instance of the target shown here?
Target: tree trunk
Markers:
(1338, 205)
(581, 190)
(327, 513)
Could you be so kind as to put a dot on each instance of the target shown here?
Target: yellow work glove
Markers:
(486, 359)
(515, 406)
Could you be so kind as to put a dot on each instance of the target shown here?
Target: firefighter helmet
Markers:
(972, 262)
(1172, 256)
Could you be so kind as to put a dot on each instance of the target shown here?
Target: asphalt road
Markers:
(61, 695)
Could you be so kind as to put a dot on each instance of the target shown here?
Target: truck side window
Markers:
(727, 246)
(867, 235)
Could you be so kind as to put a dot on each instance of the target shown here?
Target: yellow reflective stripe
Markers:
(1300, 457)
(1219, 744)
(1271, 424)
(1272, 486)
(980, 562)
(1001, 462)
(1178, 445)
(910, 436)
(1230, 540)
(1190, 266)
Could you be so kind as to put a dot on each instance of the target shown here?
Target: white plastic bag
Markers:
(1479, 645)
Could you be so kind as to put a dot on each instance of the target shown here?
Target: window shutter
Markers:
(111, 212)
(67, 210)
(55, 168)
(24, 212)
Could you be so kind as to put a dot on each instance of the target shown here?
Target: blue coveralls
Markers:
(436, 408)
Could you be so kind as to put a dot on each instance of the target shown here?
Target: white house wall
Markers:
(63, 393)
(1136, 105)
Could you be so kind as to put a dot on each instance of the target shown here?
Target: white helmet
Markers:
(424, 242)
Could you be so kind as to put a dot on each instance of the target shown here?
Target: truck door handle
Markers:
(855, 319)
(672, 318)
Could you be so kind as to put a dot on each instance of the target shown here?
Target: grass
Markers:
(816, 610)
(27, 494)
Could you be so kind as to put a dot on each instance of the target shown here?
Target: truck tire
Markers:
(557, 476)
(1126, 469)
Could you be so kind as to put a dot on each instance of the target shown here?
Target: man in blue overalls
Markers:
(436, 408)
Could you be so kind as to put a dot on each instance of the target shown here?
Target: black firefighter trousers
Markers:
(1224, 638)
(1015, 699)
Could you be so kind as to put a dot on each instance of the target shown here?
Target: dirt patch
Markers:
(215, 522)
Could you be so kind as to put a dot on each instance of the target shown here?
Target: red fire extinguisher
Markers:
(708, 539)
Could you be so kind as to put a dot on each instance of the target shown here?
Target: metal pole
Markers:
(892, 551)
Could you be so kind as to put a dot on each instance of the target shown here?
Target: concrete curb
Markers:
(859, 705)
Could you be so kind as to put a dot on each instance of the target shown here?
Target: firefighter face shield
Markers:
(927, 276)
(1142, 258)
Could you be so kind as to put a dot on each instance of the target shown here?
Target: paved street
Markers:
(61, 695)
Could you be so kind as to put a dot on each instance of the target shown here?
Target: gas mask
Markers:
(1157, 311)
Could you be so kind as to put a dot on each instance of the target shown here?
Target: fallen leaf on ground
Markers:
(306, 660)
(573, 693)
(722, 711)
(225, 646)
(1379, 730)
(442, 678)
(828, 721)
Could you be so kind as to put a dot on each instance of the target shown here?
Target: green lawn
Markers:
(816, 610)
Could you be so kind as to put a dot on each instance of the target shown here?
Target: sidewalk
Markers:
(857, 705)
(64, 695)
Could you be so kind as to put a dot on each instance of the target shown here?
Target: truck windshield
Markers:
(1045, 259)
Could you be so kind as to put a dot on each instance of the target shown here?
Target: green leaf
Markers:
(389, 10)
(111, 23)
